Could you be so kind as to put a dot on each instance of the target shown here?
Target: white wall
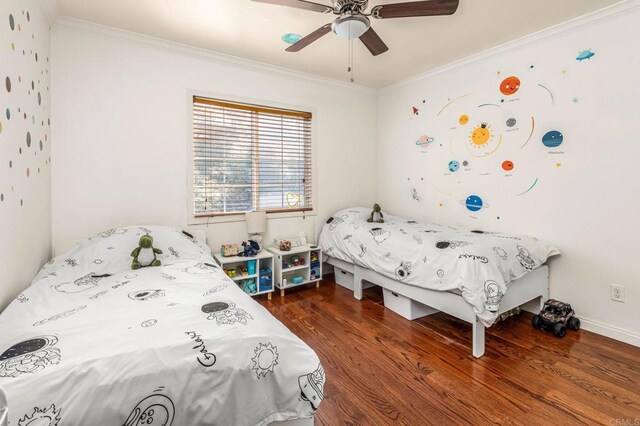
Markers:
(121, 128)
(25, 179)
(121, 113)
(586, 201)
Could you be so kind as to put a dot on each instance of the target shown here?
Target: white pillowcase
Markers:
(109, 252)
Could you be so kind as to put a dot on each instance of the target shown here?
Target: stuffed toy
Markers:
(145, 254)
(376, 215)
(251, 248)
(285, 245)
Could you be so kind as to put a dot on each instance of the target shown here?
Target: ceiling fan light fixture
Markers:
(351, 26)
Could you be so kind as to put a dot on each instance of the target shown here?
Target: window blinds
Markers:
(249, 157)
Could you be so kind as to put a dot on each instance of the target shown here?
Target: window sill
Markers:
(240, 217)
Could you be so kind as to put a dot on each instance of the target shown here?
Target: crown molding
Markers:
(598, 17)
(64, 23)
(50, 10)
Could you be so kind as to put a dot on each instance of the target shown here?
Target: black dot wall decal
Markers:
(12, 23)
(7, 84)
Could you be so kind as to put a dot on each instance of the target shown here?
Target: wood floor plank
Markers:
(383, 369)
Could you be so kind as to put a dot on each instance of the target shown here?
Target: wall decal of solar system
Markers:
(24, 103)
(502, 140)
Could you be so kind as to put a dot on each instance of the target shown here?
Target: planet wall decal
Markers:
(474, 203)
(585, 54)
(511, 122)
(552, 139)
(424, 140)
(510, 85)
(454, 166)
(507, 165)
(291, 38)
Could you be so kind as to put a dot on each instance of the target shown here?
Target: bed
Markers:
(473, 275)
(93, 342)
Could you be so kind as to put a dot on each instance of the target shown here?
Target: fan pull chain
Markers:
(350, 67)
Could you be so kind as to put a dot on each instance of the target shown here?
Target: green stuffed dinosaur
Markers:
(376, 215)
(145, 254)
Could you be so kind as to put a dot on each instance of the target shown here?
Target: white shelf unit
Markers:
(264, 260)
(310, 271)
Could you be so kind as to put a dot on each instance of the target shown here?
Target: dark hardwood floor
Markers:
(383, 369)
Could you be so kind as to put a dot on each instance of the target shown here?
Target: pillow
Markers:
(109, 252)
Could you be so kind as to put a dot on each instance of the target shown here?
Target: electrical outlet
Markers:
(617, 293)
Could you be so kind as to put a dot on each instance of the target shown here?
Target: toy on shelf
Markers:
(265, 271)
(249, 286)
(300, 241)
(295, 260)
(228, 250)
(314, 274)
(250, 248)
(251, 267)
(296, 279)
(285, 245)
(556, 316)
(242, 271)
(314, 256)
(231, 273)
(285, 265)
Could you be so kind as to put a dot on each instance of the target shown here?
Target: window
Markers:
(249, 157)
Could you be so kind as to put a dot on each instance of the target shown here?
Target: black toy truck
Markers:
(556, 316)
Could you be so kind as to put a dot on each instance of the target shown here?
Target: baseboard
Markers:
(613, 332)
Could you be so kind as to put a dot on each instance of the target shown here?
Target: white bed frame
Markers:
(533, 286)
(200, 235)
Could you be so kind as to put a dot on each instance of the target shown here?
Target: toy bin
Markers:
(251, 267)
(296, 279)
(249, 286)
(343, 278)
(265, 284)
(410, 309)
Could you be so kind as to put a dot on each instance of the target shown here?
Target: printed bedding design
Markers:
(436, 257)
(178, 344)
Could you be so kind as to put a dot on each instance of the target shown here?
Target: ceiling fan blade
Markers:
(373, 42)
(300, 4)
(415, 8)
(304, 42)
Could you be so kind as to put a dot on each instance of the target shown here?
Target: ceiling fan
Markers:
(353, 22)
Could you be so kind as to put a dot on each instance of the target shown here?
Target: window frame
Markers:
(192, 218)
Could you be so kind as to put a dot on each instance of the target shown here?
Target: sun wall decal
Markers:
(481, 135)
